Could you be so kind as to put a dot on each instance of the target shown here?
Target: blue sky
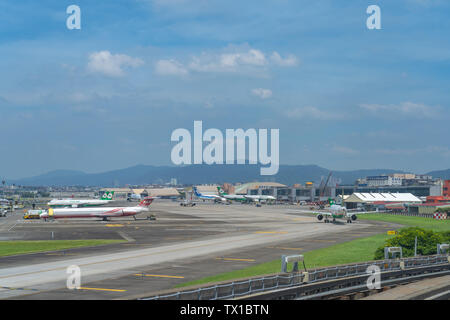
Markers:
(109, 95)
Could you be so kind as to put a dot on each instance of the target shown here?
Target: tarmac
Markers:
(182, 244)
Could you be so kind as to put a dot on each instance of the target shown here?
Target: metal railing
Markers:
(251, 286)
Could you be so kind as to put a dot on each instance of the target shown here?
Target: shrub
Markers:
(427, 241)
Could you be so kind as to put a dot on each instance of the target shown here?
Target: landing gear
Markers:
(105, 219)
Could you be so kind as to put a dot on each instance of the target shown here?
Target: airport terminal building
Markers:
(313, 193)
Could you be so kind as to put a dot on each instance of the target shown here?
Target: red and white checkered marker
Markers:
(440, 216)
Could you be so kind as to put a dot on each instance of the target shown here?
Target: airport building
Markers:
(259, 188)
(446, 188)
(376, 181)
(313, 193)
(427, 208)
(417, 190)
(373, 201)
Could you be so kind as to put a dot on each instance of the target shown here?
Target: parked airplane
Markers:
(336, 212)
(232, 197)
(106, 198)
(259, 198)
(134, 196)
(204, 197)
(100, 212)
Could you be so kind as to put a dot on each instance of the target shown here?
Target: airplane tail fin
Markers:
(146, 202)
(196, 191)
(108, 195)
(221, 192)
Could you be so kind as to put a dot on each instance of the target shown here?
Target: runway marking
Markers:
(11, 288)
(236, 259)
(126, 237)
(158, 276)
(102, 289)
(284, 248)
(60, 254)
(114, 225)
(271, 232)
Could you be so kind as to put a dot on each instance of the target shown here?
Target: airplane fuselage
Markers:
(259, 198)
(76, 203)
(92, 212)
(336, 212)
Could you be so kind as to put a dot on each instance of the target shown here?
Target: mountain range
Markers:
(202, 174)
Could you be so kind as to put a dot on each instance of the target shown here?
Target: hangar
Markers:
(383, 197)
(379, 200)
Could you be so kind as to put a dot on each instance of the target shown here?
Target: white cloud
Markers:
(311, 112)
(289, 61)
(262, 93)
(251, 57)
(238, 59)
(227, 62)
(406, 108)
(170, 67)
(111, 64)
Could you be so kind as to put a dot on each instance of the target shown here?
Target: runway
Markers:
(181, 245)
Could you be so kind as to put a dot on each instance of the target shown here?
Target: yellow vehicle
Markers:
(33, 214)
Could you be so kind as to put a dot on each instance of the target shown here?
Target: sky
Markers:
(109, 95)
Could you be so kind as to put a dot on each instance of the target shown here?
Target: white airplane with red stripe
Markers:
(100, 212)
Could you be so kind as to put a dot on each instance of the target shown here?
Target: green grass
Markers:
(343, 253)
(358, 250)
(426, 223)
(8, 248)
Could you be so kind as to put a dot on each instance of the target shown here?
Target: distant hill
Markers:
(443, 174)
(57, 177)
(195, 174)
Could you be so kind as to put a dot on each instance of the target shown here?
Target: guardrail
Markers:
(408, 214)
(251, 286)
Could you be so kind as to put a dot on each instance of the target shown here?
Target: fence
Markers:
(237, 289)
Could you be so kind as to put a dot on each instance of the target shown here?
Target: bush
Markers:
(443, 210)
(427, 241)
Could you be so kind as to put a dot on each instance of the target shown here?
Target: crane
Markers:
(322, 189)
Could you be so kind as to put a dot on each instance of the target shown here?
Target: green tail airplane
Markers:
(79, 203)
(231, 197)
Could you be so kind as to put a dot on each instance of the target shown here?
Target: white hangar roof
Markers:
(383, 197)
